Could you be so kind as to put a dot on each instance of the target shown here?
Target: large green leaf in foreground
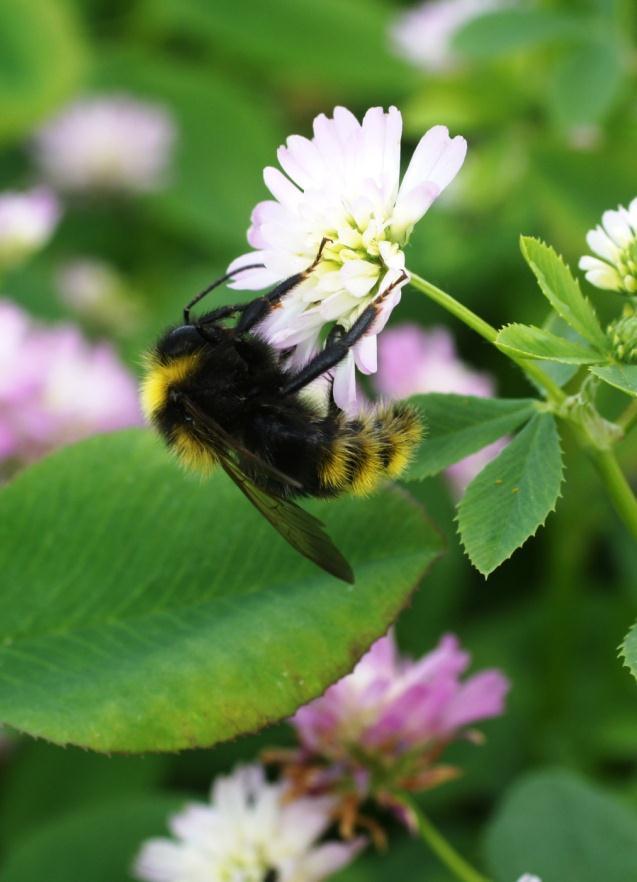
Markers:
(143, 609)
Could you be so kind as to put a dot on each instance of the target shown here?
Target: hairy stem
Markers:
(443, 850)
(488, 332)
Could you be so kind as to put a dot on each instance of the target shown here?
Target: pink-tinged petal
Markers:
(437, 158)
(365, 354)
(411, 206)
(327, 859)
(447, 660)
(255, 278)
(344, 389)
(281, 187)
(256, 237)
(329, 147)
(308, 159)
(336, 305)
(382, 656)
(481, 696)
(283, 238)
(268, 210)
(450, 162)
(429, 150)
(372, 144)
(391, 153)
(347, 126)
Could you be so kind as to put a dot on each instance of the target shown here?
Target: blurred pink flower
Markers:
(413, 361)
(56, 387)
(343, 184)
(248, 832)
(111, 142)
(424, 35)
(384, 727)
(95, 290)
(27, 221)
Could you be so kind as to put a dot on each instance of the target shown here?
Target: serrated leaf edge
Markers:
(537, 272)
(505, 347)
(487, 573)
(621, 652)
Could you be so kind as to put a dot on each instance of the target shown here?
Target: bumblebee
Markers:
(221, 395)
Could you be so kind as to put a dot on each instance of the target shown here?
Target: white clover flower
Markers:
(248, 833)
(27, 221)
(343, 184)
(107, 143)
(615, 243)
(424, 35)
(529, 878)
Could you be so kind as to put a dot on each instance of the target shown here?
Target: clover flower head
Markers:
(343, 185)
(108, 143)
(424, 35)
(528, 877)
(385, 726)
(27, 221)
(56, 387)
(414, 361)
(248, 832)
(95, 290)
(614, 241)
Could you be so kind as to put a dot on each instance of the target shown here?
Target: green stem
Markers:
(443, 850)
(612, 476)
(617, 487)
(629, 417)
(488, 332)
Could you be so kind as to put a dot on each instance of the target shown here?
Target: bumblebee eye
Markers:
(183, 340)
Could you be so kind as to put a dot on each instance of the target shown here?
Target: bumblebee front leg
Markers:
(258, 309)
(338, 345)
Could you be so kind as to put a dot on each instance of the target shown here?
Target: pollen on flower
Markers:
(343, 185)
(614, 241)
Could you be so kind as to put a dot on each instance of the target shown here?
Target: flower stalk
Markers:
(554, 394)
(443, 849)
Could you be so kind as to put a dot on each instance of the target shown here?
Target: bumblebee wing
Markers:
(221, 441)
(301, 530)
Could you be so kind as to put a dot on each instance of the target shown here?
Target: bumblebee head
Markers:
(172, 362)
(182, 341)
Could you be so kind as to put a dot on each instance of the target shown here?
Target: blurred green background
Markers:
(546, 98)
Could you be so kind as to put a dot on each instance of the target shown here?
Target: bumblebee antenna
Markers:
(214, 285)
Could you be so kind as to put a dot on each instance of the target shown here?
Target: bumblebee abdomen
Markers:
(365, 451)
